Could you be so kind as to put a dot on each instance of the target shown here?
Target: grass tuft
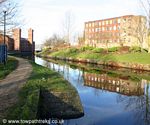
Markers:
(11, 65)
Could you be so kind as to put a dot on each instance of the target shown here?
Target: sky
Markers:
(46, 16)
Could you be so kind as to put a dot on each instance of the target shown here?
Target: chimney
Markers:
(30, 36)
(17, 39)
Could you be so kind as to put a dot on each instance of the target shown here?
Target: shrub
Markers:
(113, 49)
(72, 50)
(85, 48)
(145, 50)
(135, 49)
(98, 50)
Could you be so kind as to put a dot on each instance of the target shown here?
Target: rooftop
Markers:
(125, 16)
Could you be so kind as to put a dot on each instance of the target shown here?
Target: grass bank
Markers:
(8, 68)
(41, 79)
(98, 55)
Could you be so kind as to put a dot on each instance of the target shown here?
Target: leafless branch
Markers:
(144, 7)
(11, 14)
(68, 25)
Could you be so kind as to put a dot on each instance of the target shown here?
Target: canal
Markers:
(109, 96)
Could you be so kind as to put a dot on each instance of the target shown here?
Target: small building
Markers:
(128, 30)
(19, 44)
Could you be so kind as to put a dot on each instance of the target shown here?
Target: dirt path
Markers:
(10, 86)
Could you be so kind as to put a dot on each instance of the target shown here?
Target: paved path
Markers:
(10, 86)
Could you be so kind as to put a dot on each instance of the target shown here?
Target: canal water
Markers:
(109, 96)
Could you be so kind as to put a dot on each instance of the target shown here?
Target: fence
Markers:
(3, 53)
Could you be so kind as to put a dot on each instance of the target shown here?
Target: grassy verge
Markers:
(9, 67)
(41, 77)
(131, 57)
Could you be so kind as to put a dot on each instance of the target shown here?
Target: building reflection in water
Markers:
(138, 92)
(113, 84)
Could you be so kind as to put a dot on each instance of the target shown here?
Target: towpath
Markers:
(10, 86)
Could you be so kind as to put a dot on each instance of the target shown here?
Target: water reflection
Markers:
(105, 82)
(140, 106)
(109, 97)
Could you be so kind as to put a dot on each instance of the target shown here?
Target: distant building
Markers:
(124, 30)
(19, 44)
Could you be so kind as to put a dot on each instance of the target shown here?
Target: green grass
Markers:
(143, 58)
(133, 57)
(41, 78)
(8, 68)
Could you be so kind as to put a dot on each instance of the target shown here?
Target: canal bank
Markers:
(45, 94)
(128, 65)
(126, 57)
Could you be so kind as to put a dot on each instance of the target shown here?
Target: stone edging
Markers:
(136, 66)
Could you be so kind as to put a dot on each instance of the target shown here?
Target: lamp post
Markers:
(4, 26)
(5, 46)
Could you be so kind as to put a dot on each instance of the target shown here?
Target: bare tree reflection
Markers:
(140, 105)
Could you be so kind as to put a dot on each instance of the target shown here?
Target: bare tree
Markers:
(146, 7)
(140, 106)
(133, 29)
(12, 19)
(54, 41)
(140, 30)
(68, 26)
(81, 39)
(125, 30)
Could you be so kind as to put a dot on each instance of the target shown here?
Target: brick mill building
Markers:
(19, 44)
(129, 30)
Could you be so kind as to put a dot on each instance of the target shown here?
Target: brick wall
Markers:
(17, 39)
(19, 44)
(25, 45)
(30, 36)
(9, 42)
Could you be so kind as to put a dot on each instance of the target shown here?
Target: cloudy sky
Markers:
(46, 16)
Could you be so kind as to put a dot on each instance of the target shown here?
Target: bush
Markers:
(145, 50)
(72, 50)
(113, 49)
(135, 49)
(85, 48)
(98, 50)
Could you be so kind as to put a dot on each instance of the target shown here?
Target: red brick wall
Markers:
(9, 42)
(30, 36)
(17, 39)
(19, 44)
